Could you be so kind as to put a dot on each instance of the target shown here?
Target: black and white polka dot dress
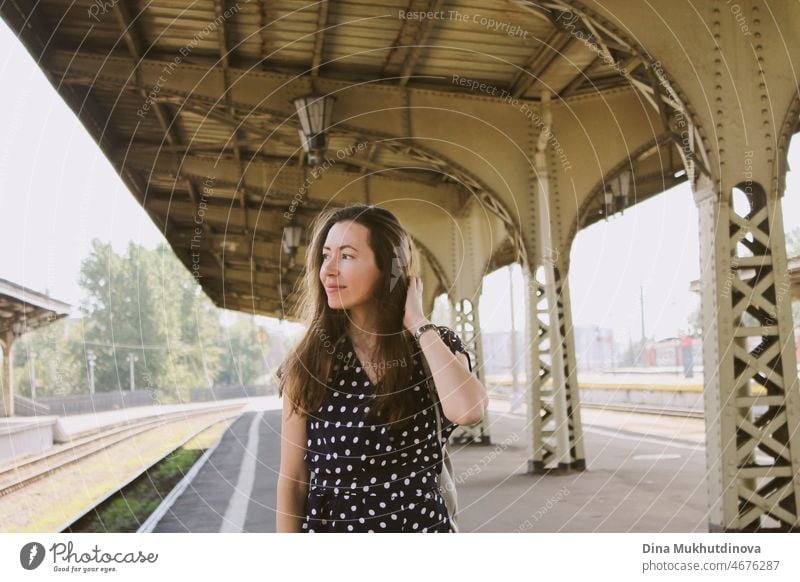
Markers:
(363, 477)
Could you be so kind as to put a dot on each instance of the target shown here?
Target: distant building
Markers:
(669, 353)
(596, 348)
(497, 352)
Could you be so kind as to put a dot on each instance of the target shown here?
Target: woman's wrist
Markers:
(424, 329)
(417, 323)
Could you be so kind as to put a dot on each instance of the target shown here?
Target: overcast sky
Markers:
(57, 192)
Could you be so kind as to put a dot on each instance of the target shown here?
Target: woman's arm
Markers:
(462, 395)
(293, 476)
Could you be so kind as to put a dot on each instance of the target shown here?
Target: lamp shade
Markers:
(303, 140)
(315, 113)
(291, 239)
(621, 186)
(608, 196)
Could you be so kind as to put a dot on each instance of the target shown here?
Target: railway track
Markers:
(680, 412)
(33, 468)
(637, 408)
(67, 527)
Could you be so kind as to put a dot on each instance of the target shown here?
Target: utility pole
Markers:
(640, 351)
(641, 303)
(514, 381)
(32, 356)
(132, 359)
(92, 358)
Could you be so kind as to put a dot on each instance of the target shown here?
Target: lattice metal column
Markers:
(577, 457)
(541, 420)
(467, 326)
(556, 434)
(550, 404)
(752, 404)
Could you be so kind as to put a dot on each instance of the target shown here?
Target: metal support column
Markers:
(577, 457)
(752, 404)
(556, 433)
(542, 451)
(467, 326)
(549, 404)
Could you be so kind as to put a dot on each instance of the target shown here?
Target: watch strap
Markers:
(423, 328)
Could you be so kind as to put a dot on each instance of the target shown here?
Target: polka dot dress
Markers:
(364, 477)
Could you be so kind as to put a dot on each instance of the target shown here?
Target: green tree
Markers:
(48, 354)
(244, 361)
(143, 303)
(793, 243)
(147, 304)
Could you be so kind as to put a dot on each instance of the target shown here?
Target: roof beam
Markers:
(414, 51)
(579, 79)
(238, 253)
(319, 41)
(232, 241)
(199, 89)
(535, 67)
(262, 30)
(220, 10)
(271, 94)
(428, 176)
(133, 41)
(265, 93)
(275, 181)
(583, 77)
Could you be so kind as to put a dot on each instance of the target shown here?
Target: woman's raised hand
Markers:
(414, 315)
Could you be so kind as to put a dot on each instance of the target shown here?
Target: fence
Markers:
(104, 401)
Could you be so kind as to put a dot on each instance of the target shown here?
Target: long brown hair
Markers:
(306, 371)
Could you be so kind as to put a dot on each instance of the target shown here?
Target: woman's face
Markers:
(348, 272)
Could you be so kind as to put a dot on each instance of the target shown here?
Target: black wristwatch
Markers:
(423, 328)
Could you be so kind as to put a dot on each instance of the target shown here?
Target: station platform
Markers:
(21, 436)
(644, 473)
(78, 425)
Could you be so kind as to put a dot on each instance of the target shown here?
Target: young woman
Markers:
(359, 448)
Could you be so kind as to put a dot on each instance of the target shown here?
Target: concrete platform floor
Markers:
(644, 474)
